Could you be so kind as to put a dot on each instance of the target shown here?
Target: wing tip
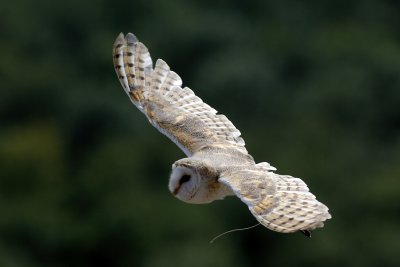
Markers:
(131, 39)
(120, 40)
(162, 63)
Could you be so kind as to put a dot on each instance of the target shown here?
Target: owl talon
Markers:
(306, 233)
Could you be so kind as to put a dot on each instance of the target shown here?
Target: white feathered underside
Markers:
(133, 65)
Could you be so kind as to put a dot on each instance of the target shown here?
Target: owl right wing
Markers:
(281, 203)
(175, 111)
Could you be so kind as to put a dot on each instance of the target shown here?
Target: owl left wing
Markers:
(175, 111)
(281, 203)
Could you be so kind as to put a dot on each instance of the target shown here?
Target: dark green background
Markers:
(314, 86)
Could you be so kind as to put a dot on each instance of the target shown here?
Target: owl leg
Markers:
(306, 233)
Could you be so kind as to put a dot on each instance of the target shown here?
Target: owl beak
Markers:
(176, 190)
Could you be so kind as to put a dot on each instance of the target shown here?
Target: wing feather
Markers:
(175, 111)
(279, 202)
(118, 58)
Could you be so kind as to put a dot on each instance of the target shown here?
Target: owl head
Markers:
(191, 181)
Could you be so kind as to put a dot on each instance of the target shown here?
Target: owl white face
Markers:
(184, 183)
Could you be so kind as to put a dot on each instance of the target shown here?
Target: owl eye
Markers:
(185, 178)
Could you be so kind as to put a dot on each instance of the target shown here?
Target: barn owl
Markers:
(217, 163)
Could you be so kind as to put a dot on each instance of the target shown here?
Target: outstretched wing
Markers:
(279, 202)
(175, 111)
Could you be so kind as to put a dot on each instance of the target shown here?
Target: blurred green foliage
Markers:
(314, 87)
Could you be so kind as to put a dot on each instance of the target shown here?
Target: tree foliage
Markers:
(314, 87)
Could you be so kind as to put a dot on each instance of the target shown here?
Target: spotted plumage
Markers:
(217, 163)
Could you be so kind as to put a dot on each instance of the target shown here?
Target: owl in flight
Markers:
(217, 163)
